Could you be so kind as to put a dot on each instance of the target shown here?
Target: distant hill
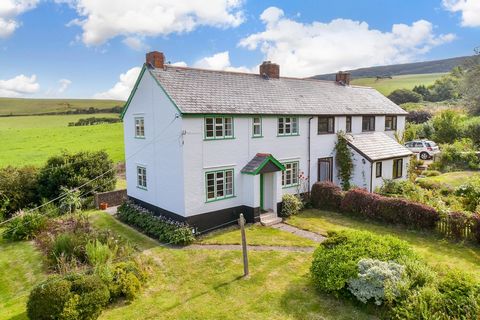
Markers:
(436, 66)
(16, 106)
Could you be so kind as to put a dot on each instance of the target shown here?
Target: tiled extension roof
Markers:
(196, 91)
(377, 146)
(258, 162)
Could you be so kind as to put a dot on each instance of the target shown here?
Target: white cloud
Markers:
(470, 10)
(64, 84)
(106, 19)
(9, 11)
(135, 43)
(180, 64)
(121, 90)
(19, 86)
(309, 49)
(219, 61)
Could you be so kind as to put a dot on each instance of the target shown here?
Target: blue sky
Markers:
(93, 48)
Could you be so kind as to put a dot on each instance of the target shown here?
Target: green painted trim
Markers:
(140, 138)
(261, 191)
(142, 188)
(135, 124)
(253, 127)
(134, 90)
(255, 137)
(205, 138)
(283, 172)
(138, 186)
(290, 186)
(224, 185)
(264, 163)
(165, 91)
(289, 134)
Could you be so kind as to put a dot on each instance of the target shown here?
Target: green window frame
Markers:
(257, 129)
(219, 184)
(287, 126)
(291, 174)
(139, 127)
(390, 123)
(397, 168)
(218, 128)
(142, 177)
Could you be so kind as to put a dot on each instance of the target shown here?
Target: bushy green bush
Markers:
(69, 297)
(448, 126)
(460, 155)
(377, 280)
(125, 280)
(25, 226)
(159, 227)
(291, 205)
(431, 173)
(400, 96)
(335, 262)
(18, 189)
(470, 191)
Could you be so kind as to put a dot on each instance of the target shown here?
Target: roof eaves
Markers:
(132, 93)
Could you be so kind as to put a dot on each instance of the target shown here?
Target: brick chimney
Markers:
(270, 70)
(155, 59)
(343, 78)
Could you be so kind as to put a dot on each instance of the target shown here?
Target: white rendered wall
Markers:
(387, 172)
(161, 150)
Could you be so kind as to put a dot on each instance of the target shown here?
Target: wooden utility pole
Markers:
(241, 222)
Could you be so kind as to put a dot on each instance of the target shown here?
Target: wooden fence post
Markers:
(241, 222)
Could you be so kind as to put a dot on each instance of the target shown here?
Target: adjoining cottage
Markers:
(203, 146)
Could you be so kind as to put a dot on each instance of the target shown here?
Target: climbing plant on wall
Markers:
(344, 160)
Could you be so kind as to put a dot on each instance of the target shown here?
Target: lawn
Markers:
(17, 106)
(453, 179)
(31, 140)
(439, 253)
(386, 86)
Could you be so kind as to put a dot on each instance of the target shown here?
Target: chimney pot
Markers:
(269, 69)
(343, 78)
(155, 59)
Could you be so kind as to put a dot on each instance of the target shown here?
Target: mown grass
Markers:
(386, 86)
(256, 235)
(453, 179)
(32, 140)
(16, 106)
(440, 253)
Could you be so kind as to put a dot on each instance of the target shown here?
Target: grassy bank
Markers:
(386, 86)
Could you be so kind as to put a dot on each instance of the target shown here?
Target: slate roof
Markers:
(197, 91)
(258, 162)
(377, 146)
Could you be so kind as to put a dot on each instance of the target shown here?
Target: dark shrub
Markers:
(326, 195)
(18, 188)
(70, 297)
(335, 261)
(362, 203)
(475, 220)
(400, 96)
(24, 226)
(159, 227)
(74, 170)
(418, 116)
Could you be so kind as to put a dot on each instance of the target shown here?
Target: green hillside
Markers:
(16, 106)
(386, 86)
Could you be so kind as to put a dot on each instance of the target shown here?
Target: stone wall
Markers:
(112, 198)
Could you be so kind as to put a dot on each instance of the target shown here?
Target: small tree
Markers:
(448, 126)
(344, 160)
(18, 189)
(71, 202)
(400, 96)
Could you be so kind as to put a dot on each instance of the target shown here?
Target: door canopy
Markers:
(262, 163)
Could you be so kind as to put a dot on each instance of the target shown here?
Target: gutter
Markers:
(371, 176)
(309, 148)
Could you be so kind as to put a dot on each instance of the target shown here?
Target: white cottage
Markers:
(203, 146)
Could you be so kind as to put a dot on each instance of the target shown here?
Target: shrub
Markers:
(98, 253)
(71, 170)
(159, 227)
(326, 195)
(400, 96)
(475, 220)
(70, 297)
(344, 161)
(125, 280)
(291, 205)
(25, 226)
(418, 116)
(377, 280)
(459, 155)
(470, 191)
(18, 188)
(335, 260)
(364, 204)
(431, 173)
(448, 126)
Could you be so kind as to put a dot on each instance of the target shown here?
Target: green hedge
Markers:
(159, 227)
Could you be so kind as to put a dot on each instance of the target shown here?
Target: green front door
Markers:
(261, 191)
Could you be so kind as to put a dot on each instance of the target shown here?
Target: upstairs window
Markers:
(397, 168)
(256, 127)
(141, 177)
(348, 125)
(219, 184)
(287, 126)
(368, 123)
(218, 128)
(139, 127)
(390, 123)
(326, 125)
(290, 174)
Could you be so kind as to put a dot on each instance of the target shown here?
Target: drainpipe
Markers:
(371, 176)
(309, 147)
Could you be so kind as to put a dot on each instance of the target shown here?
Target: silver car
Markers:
(426, 149)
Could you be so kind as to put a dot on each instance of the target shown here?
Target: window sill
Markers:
(257, 137)
(142, 188)
(142, 138)
(215, 200)
(390, 129)
(287, 135)
(324, 133)
(368, 130)
(216, 139)
(290, 186)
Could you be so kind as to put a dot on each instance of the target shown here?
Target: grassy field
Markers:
(453, 179)
(386, 86)
(32, 140)
(16, 106)
(439, 253)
